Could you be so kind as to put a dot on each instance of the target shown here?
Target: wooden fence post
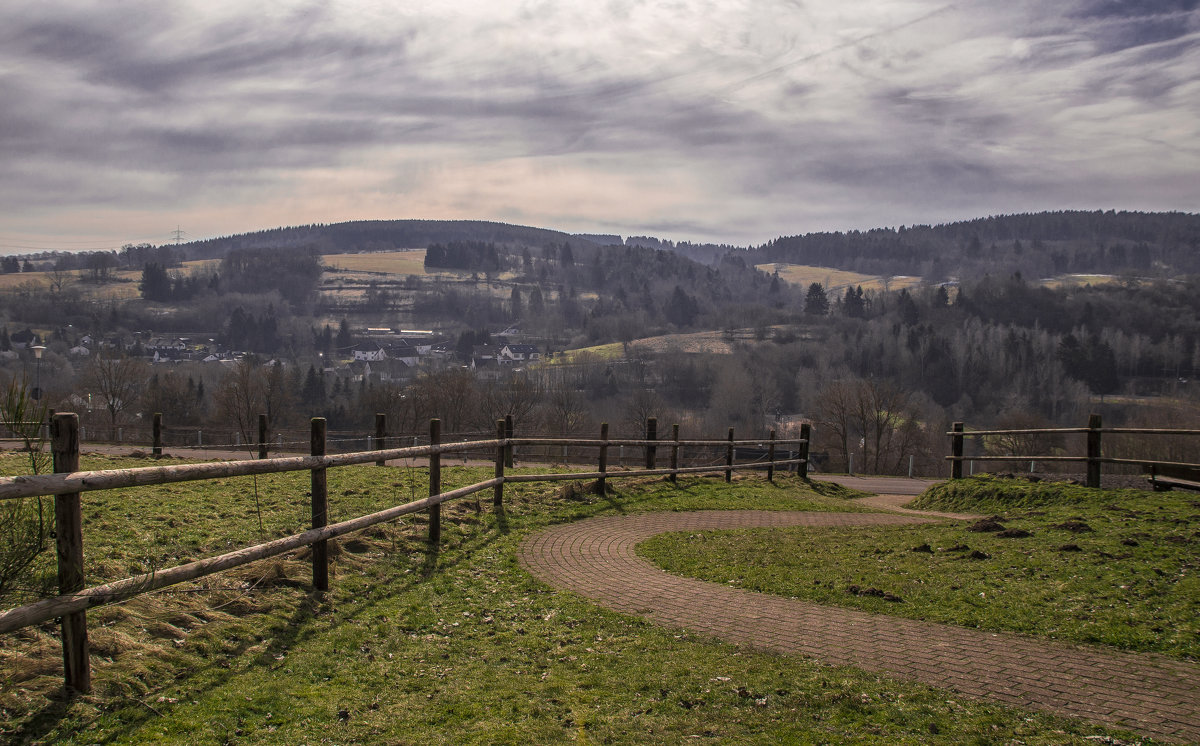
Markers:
(602, 483)
(805, 437)
(771, 457)
(956, 451)
(68, 528)
(675, 454)
(1093, 451)
(156, 448)
(498, 493)
(320, 508)
(435, 482)
(651, 434)
(380, 435)
(508, 433)
(262, 436)
(729, 458)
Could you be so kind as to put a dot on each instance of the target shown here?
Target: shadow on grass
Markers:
(458, 548)
(295, 630)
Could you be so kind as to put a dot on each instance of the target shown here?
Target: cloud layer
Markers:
(725, 120)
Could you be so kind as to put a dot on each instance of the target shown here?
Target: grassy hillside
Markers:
(837, 279)
(457, 645)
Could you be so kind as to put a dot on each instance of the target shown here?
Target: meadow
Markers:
(453, 644)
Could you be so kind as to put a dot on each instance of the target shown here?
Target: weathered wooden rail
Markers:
(68, 483)
(1093, 458)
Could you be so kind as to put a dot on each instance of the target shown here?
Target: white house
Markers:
(369, 352)
(513, 353)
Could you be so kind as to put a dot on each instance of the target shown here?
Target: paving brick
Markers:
(1152, 694)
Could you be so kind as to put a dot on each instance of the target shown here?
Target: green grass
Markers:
(458, 645)
(1109, 567)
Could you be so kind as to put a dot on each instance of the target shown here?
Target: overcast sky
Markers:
(706, 120)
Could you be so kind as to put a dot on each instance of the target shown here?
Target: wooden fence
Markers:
(67, 483)
(1092, 457)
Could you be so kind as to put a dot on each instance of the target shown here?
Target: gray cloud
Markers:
(759, 118)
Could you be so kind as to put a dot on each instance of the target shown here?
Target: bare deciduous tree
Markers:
(877, 418)
(117, 381)
(520, 396)
(448, 395)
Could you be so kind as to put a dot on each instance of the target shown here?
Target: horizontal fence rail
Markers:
(68, 483)
(1093, 457)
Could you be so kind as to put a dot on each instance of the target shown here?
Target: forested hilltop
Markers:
(1036, 245)
(379, 235)
(625, 328)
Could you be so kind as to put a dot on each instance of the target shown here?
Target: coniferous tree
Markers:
(853, 304)
(515, 303)
(816, 302)
(906, 308)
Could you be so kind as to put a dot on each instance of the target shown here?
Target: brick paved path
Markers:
(1149, 694)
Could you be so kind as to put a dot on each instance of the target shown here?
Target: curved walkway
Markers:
(1149, 694)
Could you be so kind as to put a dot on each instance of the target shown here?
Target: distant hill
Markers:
(383, 235)
(601, 239)
(1036, 245)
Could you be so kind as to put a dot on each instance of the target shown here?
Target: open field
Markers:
(837, 279)
(716, 342)
(1068, 281)
(456, 645)
(124, 284)
(407, 262)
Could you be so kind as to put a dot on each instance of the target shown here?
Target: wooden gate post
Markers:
(651, 434)
(805, 437)
(771, 458)
(262, 436)
(380, 435)
(956, 451)
(602, 483)
(156, 448)
(508, 433)
(675, 454)
(729, 458)
(68, 529)
(435, 482)
(1093, 451)
(320, 508)
(498, 492)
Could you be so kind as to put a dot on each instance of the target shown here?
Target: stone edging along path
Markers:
(1149, 694)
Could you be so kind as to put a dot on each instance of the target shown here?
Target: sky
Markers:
(728, 121)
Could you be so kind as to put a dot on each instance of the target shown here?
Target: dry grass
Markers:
(406, 262)
(838, 279)
(123, 284)
(1075, 281)
(716, 342)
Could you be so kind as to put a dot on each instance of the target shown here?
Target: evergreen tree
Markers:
(682, 309)
(313, 391)
(816, 302)
(906, 308)
(345, 340)
(853, 304)
(515, 303)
